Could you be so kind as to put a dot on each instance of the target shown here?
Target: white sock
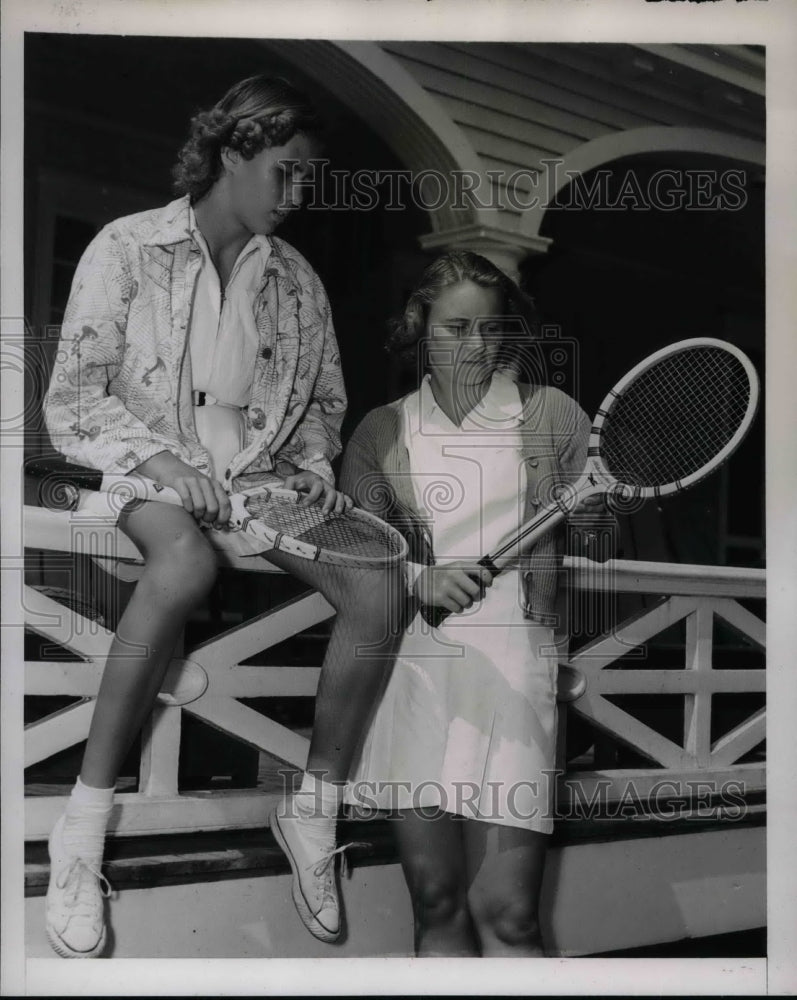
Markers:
(87, 813)
(319, 799)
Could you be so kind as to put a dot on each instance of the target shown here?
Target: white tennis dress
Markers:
(467, 718)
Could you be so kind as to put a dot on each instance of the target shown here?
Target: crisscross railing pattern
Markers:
(211, 680)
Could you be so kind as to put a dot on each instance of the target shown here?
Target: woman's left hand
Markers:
(315, 488)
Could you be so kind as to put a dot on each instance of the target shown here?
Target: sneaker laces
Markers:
(78, 889)
(325, 868)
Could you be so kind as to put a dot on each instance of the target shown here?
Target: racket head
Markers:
(354, 538)
(674, 418)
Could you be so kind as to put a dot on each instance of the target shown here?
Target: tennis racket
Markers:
(273, 516)
(667, 424)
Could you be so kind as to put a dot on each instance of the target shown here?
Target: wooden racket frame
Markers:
(597, 480)
(127, 488)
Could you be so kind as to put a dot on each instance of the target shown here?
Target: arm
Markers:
(316, 439)
(86, 423)
(592, 527)
(454, 586)
(362, 478)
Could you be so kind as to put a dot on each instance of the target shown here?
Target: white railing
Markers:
(696, 595)
(211, 678)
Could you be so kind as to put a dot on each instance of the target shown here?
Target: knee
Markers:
(184, 569)
(513, 922)
(438, 898)
(382, 597)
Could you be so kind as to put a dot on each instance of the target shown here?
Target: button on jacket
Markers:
(121, 385)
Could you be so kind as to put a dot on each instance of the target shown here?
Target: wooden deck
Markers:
(609, 884)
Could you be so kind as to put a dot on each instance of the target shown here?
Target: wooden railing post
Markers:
(697, 708)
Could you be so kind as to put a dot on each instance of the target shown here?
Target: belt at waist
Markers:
(200, 398)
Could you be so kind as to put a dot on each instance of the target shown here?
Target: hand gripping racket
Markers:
(354, 538)
(667, 424)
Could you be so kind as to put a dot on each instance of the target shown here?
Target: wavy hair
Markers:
(255, 114)
(409, 328)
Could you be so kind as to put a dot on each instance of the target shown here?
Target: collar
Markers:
(175, 226)
(427, 404)
(258, 242)
(502, 401)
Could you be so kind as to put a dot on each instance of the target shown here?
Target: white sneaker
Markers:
(311, 852)
(75, 902)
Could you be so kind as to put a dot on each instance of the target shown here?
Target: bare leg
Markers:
(366, 632)
(180, 569)
(369, 605)
(505, 867)
(433, 859)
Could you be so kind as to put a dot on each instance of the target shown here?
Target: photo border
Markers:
(764, 22)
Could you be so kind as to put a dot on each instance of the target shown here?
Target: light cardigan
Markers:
(554, 432)
(121, 385)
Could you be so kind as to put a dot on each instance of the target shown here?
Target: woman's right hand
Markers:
(202, 497)
(454, 586)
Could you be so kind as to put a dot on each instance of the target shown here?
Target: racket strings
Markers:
(675, 417)
(343, 534)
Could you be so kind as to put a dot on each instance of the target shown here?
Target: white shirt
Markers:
(470, 479)
(223, 337)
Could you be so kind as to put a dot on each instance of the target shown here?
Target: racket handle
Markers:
(60, 482)
(435, 615)
(487, 563)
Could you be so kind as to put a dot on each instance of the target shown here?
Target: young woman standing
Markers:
(462, 743)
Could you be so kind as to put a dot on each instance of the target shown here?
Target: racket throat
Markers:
(511, 550)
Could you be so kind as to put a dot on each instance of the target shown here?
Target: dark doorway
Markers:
(634, 267)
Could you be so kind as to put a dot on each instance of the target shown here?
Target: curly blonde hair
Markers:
(255, 114)
(519, 311)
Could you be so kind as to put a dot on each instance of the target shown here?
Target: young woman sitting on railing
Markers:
(198, 350)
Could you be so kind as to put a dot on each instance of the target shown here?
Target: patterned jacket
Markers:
(120, 390)
(554, 434)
